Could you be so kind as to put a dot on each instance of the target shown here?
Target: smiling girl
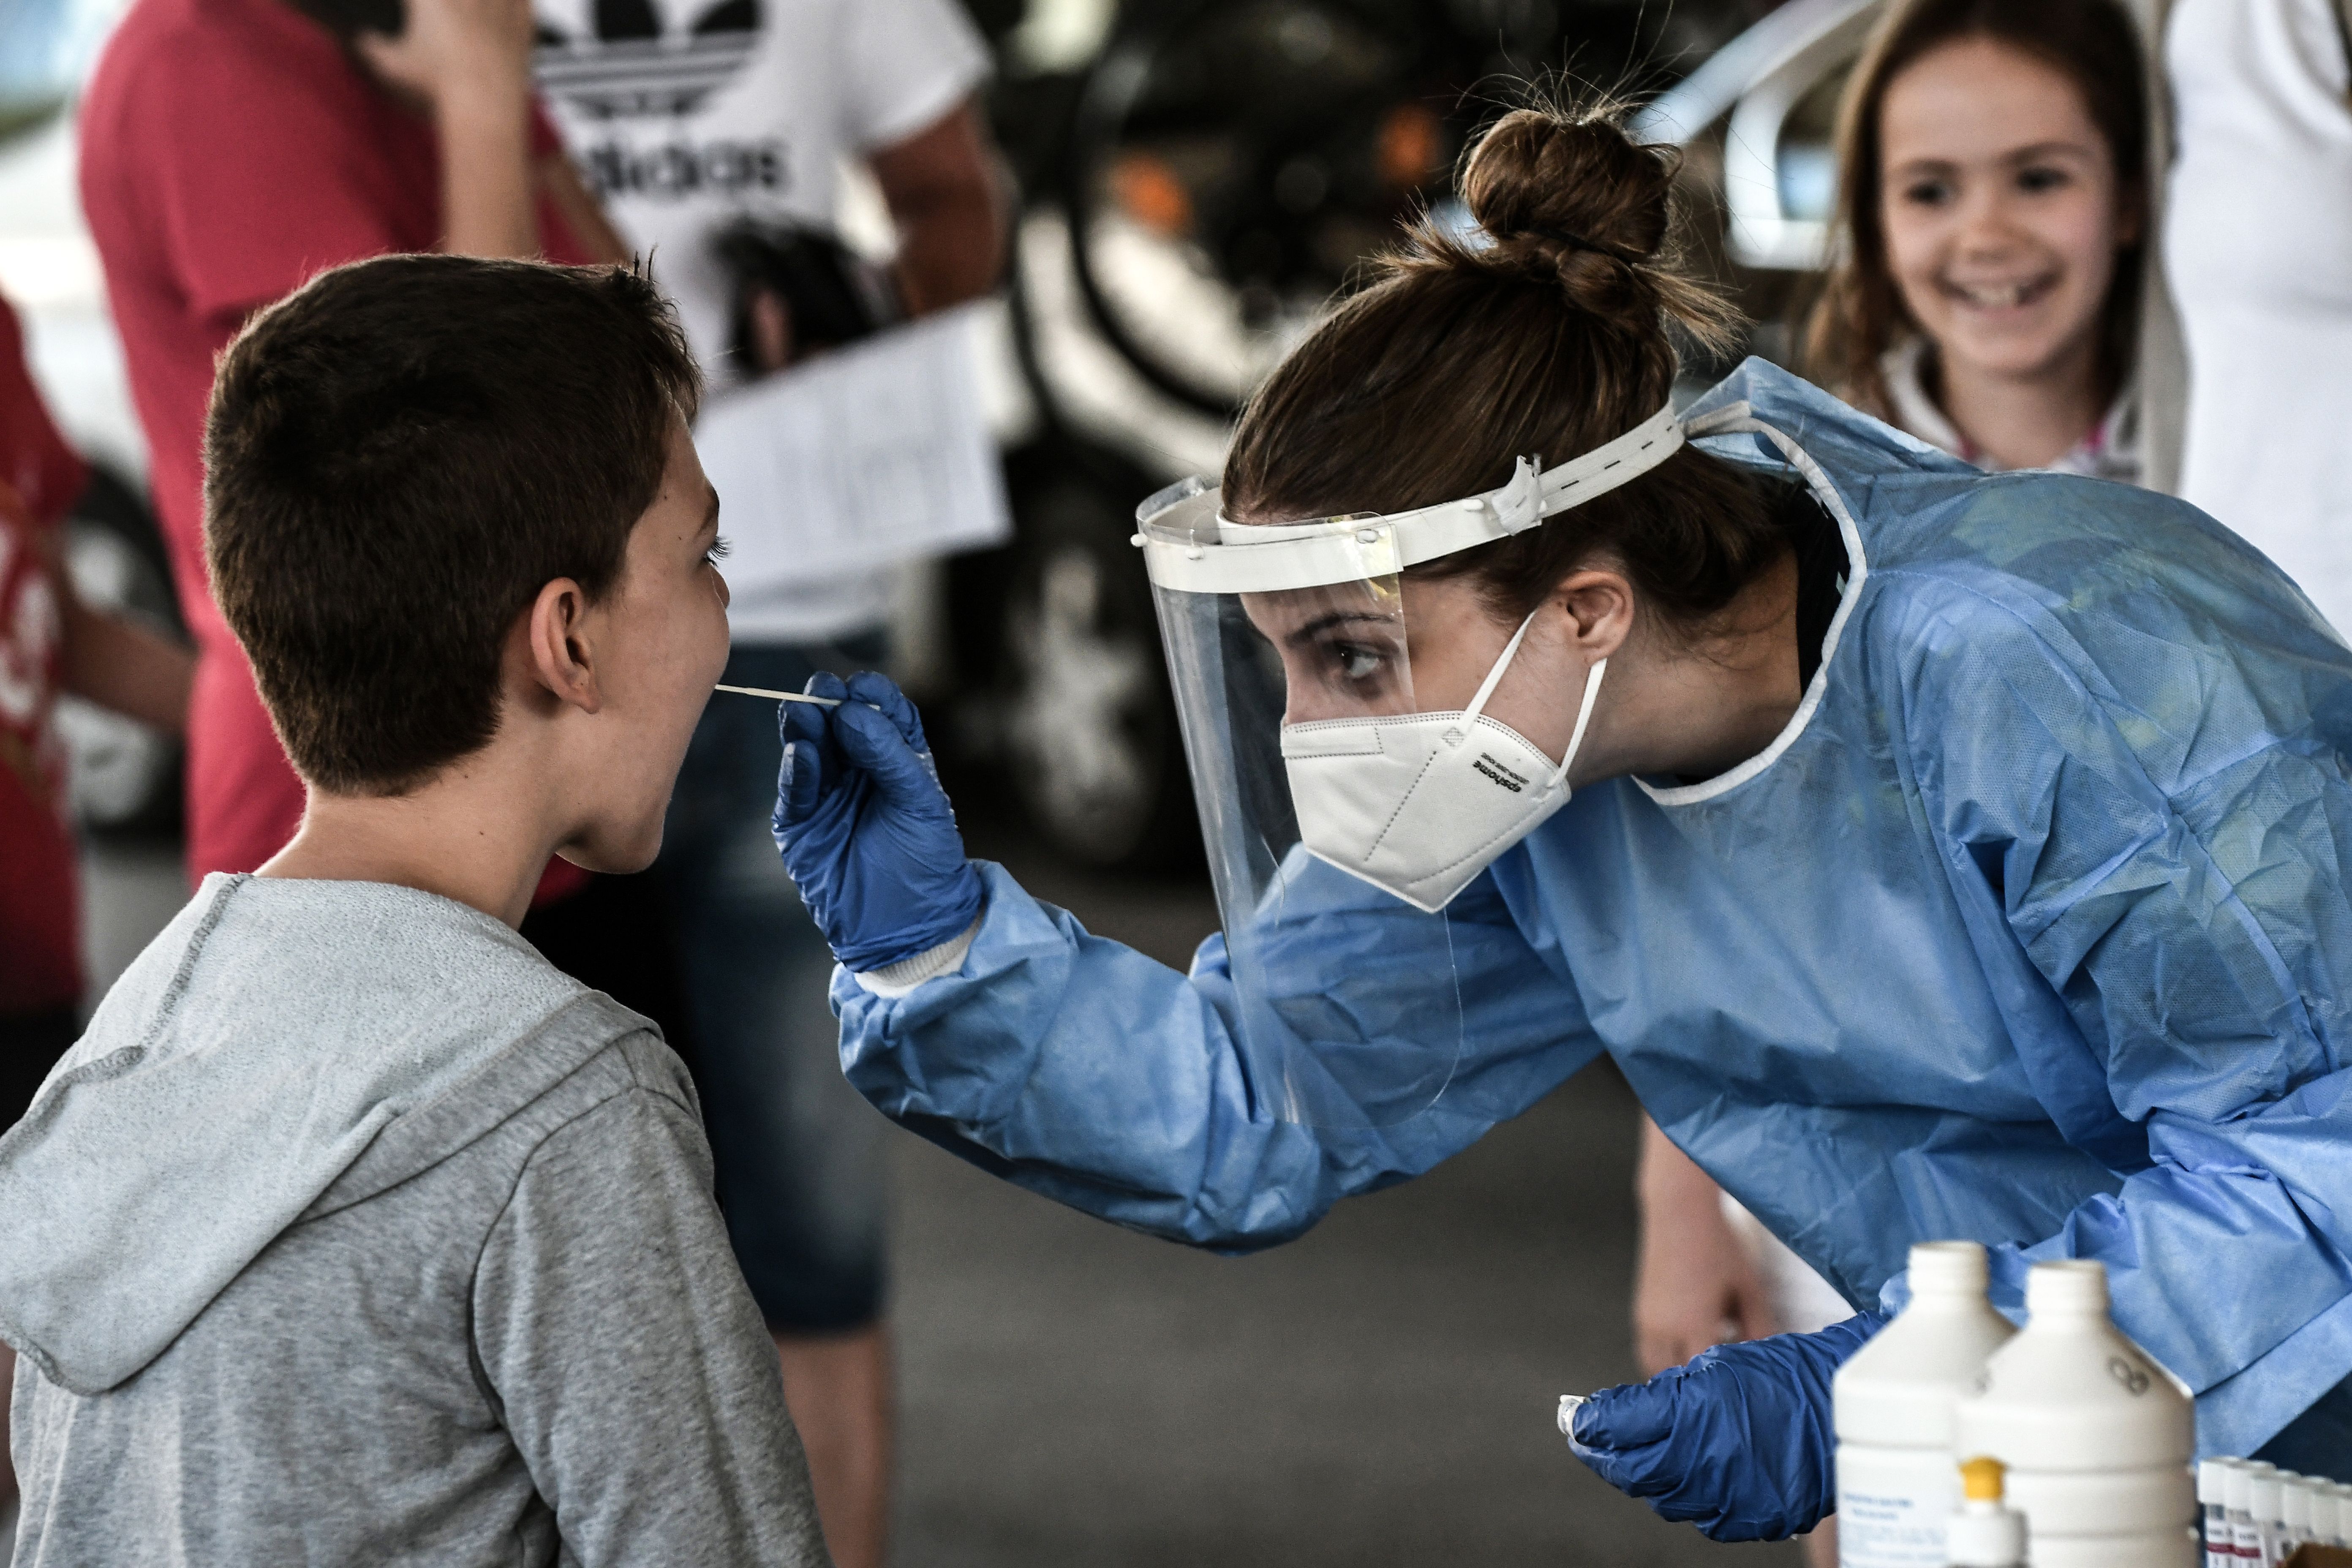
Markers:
(1992, 200)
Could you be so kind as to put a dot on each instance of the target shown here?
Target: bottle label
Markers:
(2221, 1542)
(1895, 1507)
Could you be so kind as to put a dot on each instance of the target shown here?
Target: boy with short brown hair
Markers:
(353, 1232)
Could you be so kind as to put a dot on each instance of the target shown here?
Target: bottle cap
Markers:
(1949, 1268)
(2213, 1480)
(2073, 1287)
(2294, 1506)
(2264, 1496)
(1980, 1479)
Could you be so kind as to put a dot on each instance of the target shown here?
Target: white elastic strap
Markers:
(1583, 712)
(1584, 717)
(1502, 663)
(1722, 421)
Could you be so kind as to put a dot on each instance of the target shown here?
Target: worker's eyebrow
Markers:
(1301, 636)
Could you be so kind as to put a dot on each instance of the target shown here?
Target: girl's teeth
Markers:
(1994, 296)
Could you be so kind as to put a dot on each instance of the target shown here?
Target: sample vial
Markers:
(2265, 1500)
(2238, 1494)
(2294, 1512)
(2212, 1503)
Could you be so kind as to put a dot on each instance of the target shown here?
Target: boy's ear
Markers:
(556, 642)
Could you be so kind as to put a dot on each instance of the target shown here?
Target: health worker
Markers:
(1939, 855)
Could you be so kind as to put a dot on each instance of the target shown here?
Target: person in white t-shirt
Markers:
(2258, 246)
(690, 117)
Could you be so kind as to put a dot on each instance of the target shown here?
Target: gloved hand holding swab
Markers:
(864, 829)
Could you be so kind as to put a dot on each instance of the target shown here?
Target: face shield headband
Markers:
(1189, 546)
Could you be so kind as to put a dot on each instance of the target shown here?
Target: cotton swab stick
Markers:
(781, 696)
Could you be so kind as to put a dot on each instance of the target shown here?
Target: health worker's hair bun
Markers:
(1548, 329)
(1567, 199)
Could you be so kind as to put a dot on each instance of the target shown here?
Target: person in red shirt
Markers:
(49, 642)
(230, 150)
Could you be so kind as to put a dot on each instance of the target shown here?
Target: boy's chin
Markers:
(616, 853)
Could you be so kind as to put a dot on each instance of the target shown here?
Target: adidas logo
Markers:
(633, 66)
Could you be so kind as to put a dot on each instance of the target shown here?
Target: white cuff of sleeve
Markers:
(893, 980)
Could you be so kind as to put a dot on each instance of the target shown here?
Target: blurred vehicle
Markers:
(1757, 120)
(125, 776)
(1199, 180)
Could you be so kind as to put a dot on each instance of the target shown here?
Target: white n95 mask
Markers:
(1419, 804)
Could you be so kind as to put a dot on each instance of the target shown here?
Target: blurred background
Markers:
(1196, 180)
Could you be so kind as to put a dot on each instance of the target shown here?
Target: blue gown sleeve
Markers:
(1089, 1073)
(2164, 825)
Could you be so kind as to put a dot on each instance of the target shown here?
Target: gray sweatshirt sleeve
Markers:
(634, 1371)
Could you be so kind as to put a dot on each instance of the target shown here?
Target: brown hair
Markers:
(398, 457)
(1547, 334)
(2092, 43)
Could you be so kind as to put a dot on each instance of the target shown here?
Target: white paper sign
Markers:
(872, 453)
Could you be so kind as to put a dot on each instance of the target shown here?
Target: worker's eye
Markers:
(718, 551)
(1928, 193)
(2035, 179)
(1356, 663)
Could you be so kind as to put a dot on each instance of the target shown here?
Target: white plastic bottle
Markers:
(2096, 1436)
(2341, 1492)
(1984, 1532)
(1896, 1484)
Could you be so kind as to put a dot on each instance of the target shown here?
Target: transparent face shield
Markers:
(1342, 812)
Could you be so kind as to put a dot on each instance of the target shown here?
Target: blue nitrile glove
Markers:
(1737, 1440)
(866, 830)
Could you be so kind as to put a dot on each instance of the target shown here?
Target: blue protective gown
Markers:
(2033, 929)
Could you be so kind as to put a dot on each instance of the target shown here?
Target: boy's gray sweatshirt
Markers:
(353, 1232)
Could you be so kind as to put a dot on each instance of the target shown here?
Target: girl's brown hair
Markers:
(1545, 335)
(1859, 310)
